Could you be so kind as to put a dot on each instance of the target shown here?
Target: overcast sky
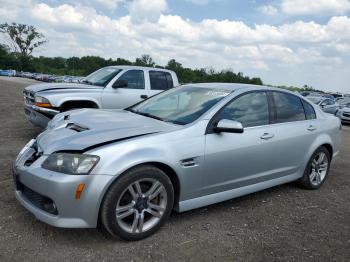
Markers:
(285, 42)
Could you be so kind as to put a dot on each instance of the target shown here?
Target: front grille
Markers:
(346, 114)
(28, 97)
(38, 200)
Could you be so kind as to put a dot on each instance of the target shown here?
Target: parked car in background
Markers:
(344, 114)
(51, 78)
(328, 105)
(114, 87)
(337, 95)
(330, 96)
(7, 72)
(343, 102)
(185, 148)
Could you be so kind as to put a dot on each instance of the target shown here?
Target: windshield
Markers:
(315, 100)
(181, 105)
(101, 77)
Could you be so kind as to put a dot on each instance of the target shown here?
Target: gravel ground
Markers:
(283, 223)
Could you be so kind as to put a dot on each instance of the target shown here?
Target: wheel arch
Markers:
(169, 171)
(80, 102)
(321, 140)
(329, 147)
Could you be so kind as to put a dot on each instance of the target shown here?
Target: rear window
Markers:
(288, 107)
(160, 80)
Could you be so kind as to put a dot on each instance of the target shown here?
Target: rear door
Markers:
(160, 81)
(122, 97)
(295, 125)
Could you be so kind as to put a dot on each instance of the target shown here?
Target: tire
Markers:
(133, 212)
(316, 172)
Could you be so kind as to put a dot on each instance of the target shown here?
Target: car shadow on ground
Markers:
(242, 204)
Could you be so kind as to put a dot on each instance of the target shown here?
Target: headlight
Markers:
(72, 164)
(42, 101)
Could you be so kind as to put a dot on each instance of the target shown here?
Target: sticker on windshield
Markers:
(217, 93)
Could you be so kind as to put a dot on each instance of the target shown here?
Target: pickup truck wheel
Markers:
(138, 203)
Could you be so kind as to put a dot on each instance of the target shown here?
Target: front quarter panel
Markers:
(58, 97)
(168, 149)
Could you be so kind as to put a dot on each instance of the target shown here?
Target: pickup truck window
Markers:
(135, 79)
(160, 80)
(101, 77)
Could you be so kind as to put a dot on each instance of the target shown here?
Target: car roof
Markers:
(231, 87)
(317, 97)
(126, 67)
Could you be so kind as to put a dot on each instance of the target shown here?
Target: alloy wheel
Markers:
(319, 169)
(141, 206)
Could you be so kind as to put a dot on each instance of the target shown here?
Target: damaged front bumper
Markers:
(39, 116)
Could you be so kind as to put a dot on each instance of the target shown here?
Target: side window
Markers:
(309, 110)
(288, 107)
(160, 80)
(325, 102)
(135, 78)
(169, 80)
(251, 110)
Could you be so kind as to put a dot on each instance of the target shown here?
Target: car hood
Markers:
(83, 129)
(57, 86)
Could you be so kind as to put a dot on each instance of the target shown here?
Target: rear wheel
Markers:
(317, 169)
(138, 203)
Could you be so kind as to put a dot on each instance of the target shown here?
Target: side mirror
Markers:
(228, 126)
(120, 83)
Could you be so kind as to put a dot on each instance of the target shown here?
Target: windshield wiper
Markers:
(147, 115)
(87, 82)
(151, 116)
(154, 117)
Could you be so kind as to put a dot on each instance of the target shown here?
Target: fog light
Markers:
(50, 207)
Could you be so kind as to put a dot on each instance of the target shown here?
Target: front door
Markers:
(236, 160)
(122, 97)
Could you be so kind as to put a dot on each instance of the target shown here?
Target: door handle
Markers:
(311, 128)
(144, 96)
(267, 136)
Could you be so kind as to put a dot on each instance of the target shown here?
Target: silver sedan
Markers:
(188, 147)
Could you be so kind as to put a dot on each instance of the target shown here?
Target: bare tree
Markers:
(23, 38)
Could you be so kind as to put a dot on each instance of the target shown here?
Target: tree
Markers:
(173, 65)
(7, 60)
(23, 38)
(145, 60)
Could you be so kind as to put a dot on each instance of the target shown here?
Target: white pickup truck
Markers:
(113, 87)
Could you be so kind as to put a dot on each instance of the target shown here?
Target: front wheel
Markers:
(138, 203)
(317, 169)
